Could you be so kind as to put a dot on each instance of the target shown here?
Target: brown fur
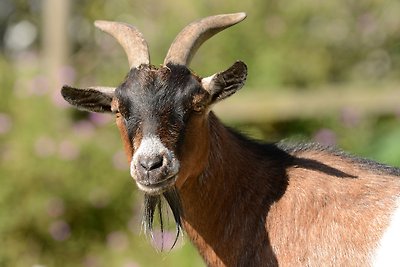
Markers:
(320, 210)
(124, 137)
(323, 220)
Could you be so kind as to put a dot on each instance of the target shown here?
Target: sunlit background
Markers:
(326, 71)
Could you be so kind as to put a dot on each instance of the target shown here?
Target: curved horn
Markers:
(196, 33)
(129, 38)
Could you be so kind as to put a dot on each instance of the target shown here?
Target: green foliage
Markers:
(286, 44)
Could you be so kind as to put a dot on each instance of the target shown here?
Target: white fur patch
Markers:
(388, 251)
(207, 82)
(150, 146)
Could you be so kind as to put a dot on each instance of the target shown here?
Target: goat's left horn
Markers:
(131, 40)
(196, 33)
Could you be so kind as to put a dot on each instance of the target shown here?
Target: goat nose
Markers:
(151, 163)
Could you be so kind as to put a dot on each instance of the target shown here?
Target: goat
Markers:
(240, 201)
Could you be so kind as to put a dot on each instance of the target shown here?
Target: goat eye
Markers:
(198, 107)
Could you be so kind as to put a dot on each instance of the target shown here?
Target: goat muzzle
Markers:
(154, 167)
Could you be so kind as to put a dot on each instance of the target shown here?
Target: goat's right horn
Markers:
(129, 38)
(196, 33)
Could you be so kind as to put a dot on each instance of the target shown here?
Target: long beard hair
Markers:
(154, 204)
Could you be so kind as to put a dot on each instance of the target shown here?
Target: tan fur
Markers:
(195, 149)
(328, 221)
(210, 201)
(332, 211)
(124, 137)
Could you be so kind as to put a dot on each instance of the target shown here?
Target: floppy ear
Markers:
(95, 99)
(226, 83)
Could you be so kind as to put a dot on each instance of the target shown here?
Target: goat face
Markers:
(153, 108)
(161, 114)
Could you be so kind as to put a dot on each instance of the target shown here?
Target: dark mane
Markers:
(364, 163)
(284, 151)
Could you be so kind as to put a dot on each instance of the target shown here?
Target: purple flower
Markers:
(58, 100)
(117, 241)
(60, 230)
(165, 240)
(5, 123)
(99, 118)
(83, 128)
(325, 137)
(67, 75)
(45, 146)
(39, 85)
(68, 150)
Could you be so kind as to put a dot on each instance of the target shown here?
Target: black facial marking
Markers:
(158, 102)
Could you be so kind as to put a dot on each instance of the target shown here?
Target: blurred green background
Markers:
(327, 71)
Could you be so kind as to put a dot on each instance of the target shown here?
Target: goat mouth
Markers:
(159, 187)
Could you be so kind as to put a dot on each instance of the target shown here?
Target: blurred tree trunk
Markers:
(55, 41)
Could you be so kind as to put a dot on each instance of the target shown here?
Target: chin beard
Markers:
(153, 203)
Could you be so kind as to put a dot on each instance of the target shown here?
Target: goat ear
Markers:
(95, 99)
(226, 83)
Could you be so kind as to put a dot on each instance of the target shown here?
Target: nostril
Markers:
(151, 163)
